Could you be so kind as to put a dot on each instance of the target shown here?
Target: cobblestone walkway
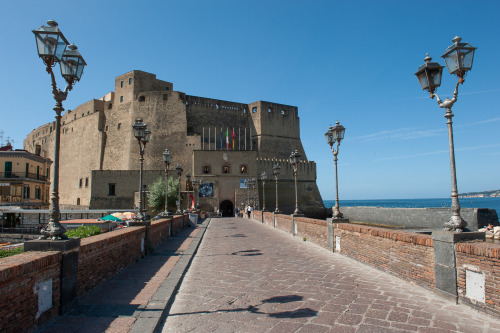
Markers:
(247, 277)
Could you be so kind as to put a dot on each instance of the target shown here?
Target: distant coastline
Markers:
(483, 194)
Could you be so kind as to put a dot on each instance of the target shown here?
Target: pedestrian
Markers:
(250, 209)
(236, 212)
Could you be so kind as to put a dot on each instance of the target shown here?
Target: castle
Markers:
(99, 155)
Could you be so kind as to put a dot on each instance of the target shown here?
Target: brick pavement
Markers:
(128, 302)
(248, 277)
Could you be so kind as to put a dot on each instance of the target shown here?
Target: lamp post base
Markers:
(53, 231)
(456, 224)
(336, 214)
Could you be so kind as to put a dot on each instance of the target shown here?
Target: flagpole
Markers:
(239, 138)
(245, 138)
(251, 148)
(203, 139)
(209, 139)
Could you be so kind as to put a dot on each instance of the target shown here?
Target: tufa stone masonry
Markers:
(100, 157)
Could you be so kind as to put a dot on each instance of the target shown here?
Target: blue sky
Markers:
(351, 61)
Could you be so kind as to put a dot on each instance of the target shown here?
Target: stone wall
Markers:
(29, 290)
(431, 218)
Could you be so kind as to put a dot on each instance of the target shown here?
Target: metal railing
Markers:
(27, 175)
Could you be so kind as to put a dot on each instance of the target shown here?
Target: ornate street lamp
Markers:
(167, 158)
(188, 178)
(142, 134)
(51, 46)
(178, 168)
(335, 134)
(294, 161)
(263, 177)
(276, 173)
(458, 58)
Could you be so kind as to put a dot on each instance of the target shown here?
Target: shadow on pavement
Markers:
(299, 313)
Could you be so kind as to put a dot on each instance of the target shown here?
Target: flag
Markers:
(221, 138)
(233, 138)
(227, 139)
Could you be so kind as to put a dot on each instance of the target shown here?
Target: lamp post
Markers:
(188, 178)
(458, 58)
(142, 134)
(263, 177)
(167, 158)
(197, 183)
(51, 45)
(178, 168)
(294, 161)
(276, 172)
(335, 134)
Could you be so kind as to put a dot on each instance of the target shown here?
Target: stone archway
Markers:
(226, 208)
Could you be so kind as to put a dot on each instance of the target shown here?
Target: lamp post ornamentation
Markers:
(294, 161)
(167, 158)
(276, 173)
(142, 134)
(178, 168)
(458, 59)
(263, 177)
(51, 46)
(335, 134)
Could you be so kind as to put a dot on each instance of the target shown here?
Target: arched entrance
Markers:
(226, 208)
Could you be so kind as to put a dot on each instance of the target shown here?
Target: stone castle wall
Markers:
(98, 135)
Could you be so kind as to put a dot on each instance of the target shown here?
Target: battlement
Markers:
(306, 169)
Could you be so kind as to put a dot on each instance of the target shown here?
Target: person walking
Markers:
(250, 209)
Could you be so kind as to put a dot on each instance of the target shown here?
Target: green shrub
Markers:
(8, 253)
(84, 231)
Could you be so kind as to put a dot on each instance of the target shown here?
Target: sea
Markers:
(492, 203)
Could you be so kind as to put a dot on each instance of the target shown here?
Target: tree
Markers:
(156, 195)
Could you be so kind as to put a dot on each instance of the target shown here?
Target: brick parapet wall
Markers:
(19, 276)
(483, 258)
(160, 231)
(407, 255)
(312, 230)
(283, 222)
(268, 218)
(102, 256)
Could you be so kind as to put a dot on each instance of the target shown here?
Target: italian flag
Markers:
(227, 140)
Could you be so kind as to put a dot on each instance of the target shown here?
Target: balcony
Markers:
(23, 175)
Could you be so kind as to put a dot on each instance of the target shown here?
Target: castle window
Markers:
(86, 181)
(111, 189)
(167, 88)
(110, 105)
(254, 109)
(81, 183)
(245, 110)
(106, 128)
(119, 125)
(142, 98)
(121, 84)
(217, 106)
(83, 114)
(190, 131)
(269, 110)
(226, 169)
(88, 112)
(283, 112)
(165, 97)
(243, 168)
(206, 169)
(121, 99)
(130, 81)
(74, 118)
(78, 201)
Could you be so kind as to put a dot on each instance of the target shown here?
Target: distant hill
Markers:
(483, 194)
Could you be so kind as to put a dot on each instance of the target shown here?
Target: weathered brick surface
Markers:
(283, 222)
(159, 231)
(314, 231)
(18, 302)
(268, 218)
(407, 255)
(104, 255)
(483, 258)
